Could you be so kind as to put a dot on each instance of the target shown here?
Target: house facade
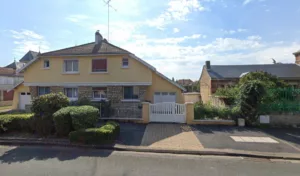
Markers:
(219, 76)
(99, 71)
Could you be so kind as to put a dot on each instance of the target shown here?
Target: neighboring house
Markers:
(100, 71)
(188, 84)
(216, 76)
(30, 55)
(8, 79)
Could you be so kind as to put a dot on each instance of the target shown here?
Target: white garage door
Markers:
(160, 97)
(24, 99)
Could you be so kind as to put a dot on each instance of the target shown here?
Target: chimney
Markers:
(98, 37)
(207, 63)
(297, 57)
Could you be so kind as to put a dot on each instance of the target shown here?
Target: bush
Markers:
(84, 117)
(207, 111)
(43, 108)
(104, 135)
(63, 121)
(16, 122)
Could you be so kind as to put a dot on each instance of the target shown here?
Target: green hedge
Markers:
(63, 121)
(84, 117)
(207, 111)
(106, 134)
(16, 122)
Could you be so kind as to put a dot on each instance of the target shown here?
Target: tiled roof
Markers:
(30, 55)
(185, 82)
(236, 71)
(15, 65)
(89, 49)
(7, 71)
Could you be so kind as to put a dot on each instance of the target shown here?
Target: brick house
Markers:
(215, 76)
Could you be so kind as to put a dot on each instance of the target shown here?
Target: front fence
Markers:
(167, 112)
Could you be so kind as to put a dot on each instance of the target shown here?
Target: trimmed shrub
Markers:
(63, 121)
(106, 134)
(84, 117)
(16, 122)
(43, 108)
(207, 111)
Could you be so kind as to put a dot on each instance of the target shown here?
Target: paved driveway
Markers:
(131, 134)
(219, 137)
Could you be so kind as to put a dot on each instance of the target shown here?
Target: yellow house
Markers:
(100, 71)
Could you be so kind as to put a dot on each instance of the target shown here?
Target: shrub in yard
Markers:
(84, 117)
(207, 111)
(43, 108)
(16, 122)
(103, 135)
(63, 121)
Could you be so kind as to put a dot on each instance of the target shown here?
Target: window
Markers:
(131, 92)
(125, 63)
(99, 65)
(99, 93)
(71, 66)
(43, 90)
(46, 64)
(71, 92)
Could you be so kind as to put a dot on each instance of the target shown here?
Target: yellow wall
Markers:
(193, 97)
(136, 72)
(17, 91)
(161, 85)
(205, 86)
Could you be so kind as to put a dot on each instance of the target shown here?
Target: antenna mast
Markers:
(108, 6)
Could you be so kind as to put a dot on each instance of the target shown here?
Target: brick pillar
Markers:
(56, 89)
(142, 92)
(85, 91)
(145, 112)
(115, 94)
(33, 91)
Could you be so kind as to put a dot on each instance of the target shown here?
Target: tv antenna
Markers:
(108, 6)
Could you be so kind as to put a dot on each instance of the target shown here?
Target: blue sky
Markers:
(175, 36)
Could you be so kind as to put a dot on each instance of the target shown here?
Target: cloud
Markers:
(175, 30)
(26, 40)
(249, 1)
(76, 18)
(231, 32)
(177, 10)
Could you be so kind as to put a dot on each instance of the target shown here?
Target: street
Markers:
(70, 161)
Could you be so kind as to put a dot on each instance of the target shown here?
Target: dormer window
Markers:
(46, 64)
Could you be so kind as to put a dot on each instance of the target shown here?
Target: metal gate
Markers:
(167, 112)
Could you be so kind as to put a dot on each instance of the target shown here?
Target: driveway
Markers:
(222, 137)
(131, 134)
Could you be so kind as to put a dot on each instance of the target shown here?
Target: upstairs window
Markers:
(99, 65)
(71, 66)
(99, 92)
(125, 63)
(131, 92)
(43, 90)
(46, 64)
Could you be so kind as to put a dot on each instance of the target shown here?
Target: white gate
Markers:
(167, 112)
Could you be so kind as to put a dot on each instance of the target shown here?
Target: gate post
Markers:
(189, 112)
(145, 112)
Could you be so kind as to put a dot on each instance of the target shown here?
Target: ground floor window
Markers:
(71, 92)
(99, 93)
(43, 90)
(131, 92)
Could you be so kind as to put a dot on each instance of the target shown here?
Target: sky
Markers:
(175, 36)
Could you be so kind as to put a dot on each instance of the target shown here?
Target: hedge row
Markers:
(103, 135)
(16, 122)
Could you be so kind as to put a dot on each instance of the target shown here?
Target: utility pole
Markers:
(108, 6)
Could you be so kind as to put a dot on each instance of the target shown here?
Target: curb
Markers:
(118, 147)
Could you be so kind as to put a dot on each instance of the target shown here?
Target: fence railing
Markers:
(167, 108)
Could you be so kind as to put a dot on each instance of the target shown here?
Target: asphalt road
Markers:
(31, 161)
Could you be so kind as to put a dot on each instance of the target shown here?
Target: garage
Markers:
(160, 97)
(24, 99)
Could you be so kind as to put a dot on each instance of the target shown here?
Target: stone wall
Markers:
(142, 92)
(33, 91)
(127, 110)
(85, 91)
(285, 120)
(56, 89)
(115, 94)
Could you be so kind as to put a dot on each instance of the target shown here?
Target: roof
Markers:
(30, 55)
(185, 82)
(236, 71)
(89, 49)
(7, 71)
(15, 65)
(297, 53)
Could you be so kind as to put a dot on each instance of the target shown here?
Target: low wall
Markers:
(285, 120)
(192, 97)
(6, 103)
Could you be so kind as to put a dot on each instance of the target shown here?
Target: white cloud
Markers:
(175, 30)
(77, 18)
(177, 10)
(249, 1)
(231, 32)
(26, 40)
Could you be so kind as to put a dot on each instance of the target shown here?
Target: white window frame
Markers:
(99, 98)
(44, 66)
(99, 71)
(44, 90)
(124, 61)
(73, 98)
(71, 60)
